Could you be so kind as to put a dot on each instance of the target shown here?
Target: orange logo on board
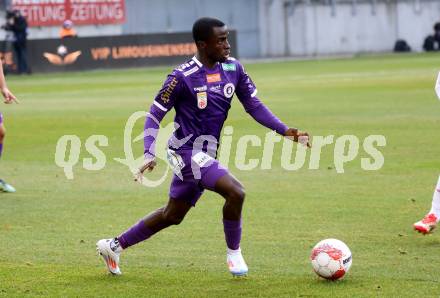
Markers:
(212, 78)
(63, 57)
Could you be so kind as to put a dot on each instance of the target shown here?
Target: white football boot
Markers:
(237, 265)
(5, 187)
(110, 250)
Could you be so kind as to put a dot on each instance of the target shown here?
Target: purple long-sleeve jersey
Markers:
(202, 98)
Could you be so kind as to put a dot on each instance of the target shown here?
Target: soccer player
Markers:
(429, 222)
(200, 91)
(8, 99)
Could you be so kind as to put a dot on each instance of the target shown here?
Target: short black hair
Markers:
(202, 28)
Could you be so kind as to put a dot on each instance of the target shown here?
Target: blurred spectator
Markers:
(16, 23)
(401, 46)
(432, 42)
(437, 34)
(67, 30)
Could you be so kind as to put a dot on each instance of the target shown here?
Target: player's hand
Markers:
(8, 96)
(296, 135)
(148, 166)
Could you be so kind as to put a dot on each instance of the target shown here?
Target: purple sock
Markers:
(232, 230)
(137, 233)
(1, 149)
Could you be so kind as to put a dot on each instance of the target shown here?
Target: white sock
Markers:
(435, 208)
(233, 251)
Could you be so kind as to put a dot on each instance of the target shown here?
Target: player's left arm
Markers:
(247, 94)
(265, 117)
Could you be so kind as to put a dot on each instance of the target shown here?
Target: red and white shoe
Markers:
(427, 224)
(110, 251)
(236, 264)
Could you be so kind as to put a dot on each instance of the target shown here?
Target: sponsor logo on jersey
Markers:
(166, 95)
(228, 90)
(202, 100)
(213, 78)
(201, 88)
(228, 66)
(216, 88)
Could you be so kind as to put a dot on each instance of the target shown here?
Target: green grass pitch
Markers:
(48, 229)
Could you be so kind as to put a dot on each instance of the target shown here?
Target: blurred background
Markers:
(264, 28)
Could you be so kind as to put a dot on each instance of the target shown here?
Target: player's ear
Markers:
(201, 44)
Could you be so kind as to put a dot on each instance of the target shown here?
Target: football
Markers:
(331, 259)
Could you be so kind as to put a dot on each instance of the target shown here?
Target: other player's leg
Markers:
(218, 179)
(429, 222)
(4, 187)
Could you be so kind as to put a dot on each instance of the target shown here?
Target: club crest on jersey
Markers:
(202, 100)
(228, 90)
(228, 67)
(212, 78)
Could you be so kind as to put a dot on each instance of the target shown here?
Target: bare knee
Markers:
(2, 133)
(236, 195)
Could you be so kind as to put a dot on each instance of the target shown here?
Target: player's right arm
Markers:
(7, 95)
(163, 102)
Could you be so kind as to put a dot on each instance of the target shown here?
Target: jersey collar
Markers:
(200, 63)
(197, 61)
